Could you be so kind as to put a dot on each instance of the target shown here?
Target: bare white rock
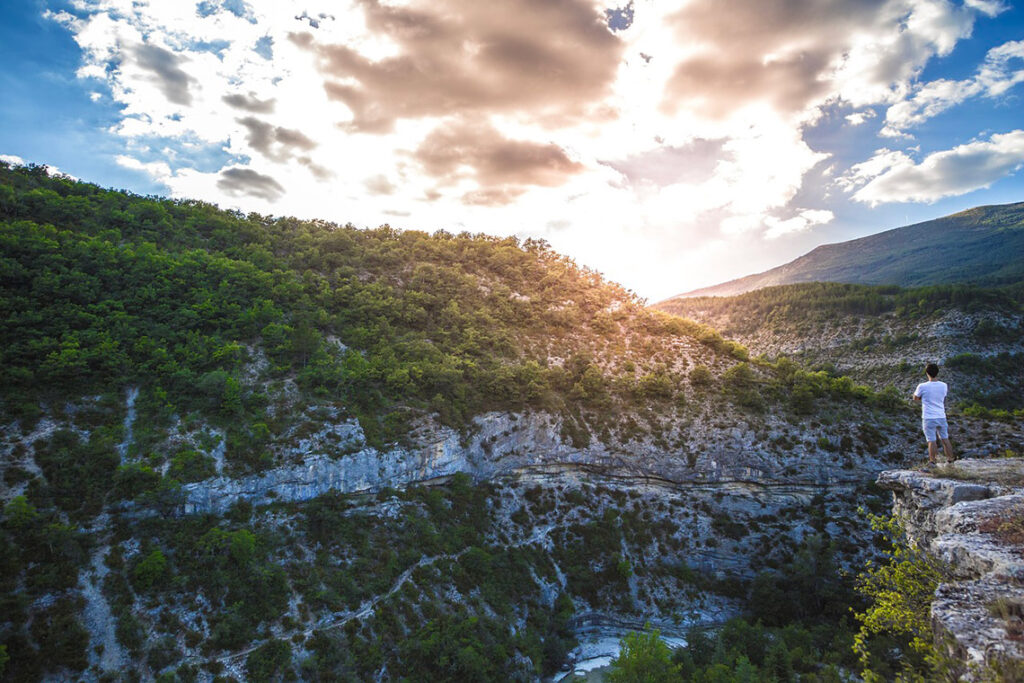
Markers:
(977, 615)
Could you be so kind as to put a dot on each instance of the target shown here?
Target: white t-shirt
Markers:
(933, 396)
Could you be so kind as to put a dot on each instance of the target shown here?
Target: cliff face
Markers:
(661, 526)
(971, 515)
(514, 444)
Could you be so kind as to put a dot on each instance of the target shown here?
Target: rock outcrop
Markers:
(971, 515)
(503, 444)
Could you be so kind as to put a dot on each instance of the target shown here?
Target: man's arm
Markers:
(917, 398)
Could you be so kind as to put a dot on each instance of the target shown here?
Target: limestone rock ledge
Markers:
(978, 614)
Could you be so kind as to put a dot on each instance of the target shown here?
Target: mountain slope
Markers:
(982, 246)
(883, 335)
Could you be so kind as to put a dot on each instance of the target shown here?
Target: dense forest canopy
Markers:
(102, 288)
(750, 310)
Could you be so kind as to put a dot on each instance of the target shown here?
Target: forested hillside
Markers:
(883, 335)
(102, 289)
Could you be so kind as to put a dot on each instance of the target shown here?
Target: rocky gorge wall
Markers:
(511, 444)
(715, 499)
(970, 515)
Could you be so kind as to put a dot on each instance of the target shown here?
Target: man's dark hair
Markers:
(932, 370)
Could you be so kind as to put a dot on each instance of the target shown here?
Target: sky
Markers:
(668, 145)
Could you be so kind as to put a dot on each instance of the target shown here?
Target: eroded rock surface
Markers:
(508, 444)
(957, 512)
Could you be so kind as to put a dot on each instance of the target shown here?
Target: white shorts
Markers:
(933, 426)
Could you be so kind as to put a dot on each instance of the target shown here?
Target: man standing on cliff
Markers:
(932, 395)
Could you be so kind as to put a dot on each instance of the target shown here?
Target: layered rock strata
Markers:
(967, 514)
(510, 445)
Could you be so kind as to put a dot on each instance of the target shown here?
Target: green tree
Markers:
(643, 658)
(700, 376)
(269, 661)
(150, 570)
(900, 591)
(20, 514)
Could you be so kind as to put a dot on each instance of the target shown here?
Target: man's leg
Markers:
(933, 452)
(947, 447)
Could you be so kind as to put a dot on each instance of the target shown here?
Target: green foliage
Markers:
(809, 588)
(655, 385)
(190, 465)
(739, 383)
(900, 591)
(77, 474)
(103, 289)
(20, 514)
(458, 647)
(750, 311)
(59, 634)
(797, 627)
(133, 480)
(643, 658)
(803, 388)
(979, 411)
(1000, 396)
(269, 661)
(700, 376)
(150, 571)
(40, 548)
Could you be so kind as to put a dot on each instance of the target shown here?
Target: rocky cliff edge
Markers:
(971, 515)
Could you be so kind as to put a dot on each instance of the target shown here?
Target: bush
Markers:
(133, 480)
(60, 635)
(189, 465)
(700, 376)
(900, 592)
(268, 661)
(150, 571)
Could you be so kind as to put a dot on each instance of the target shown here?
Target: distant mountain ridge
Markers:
(983, 245)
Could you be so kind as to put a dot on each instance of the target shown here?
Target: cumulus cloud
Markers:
(12, 159)
(164, 65)
(158, 170)
(275, 142)
(668, 165)
(793, 55)
(859, 117)
(379, 184)
(245, 181)
(549, 60)
(249, 102)
(893, 176)
(1002, 69)
(804, 220)
(476, 149)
